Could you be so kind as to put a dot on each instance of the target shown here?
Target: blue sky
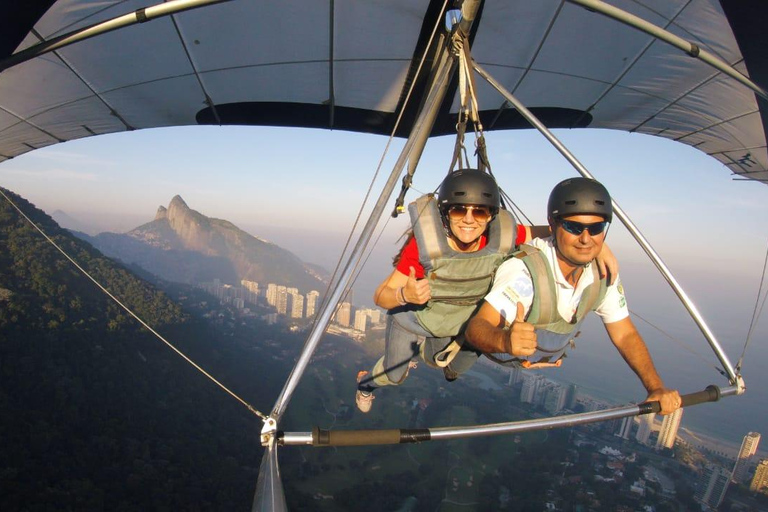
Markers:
(302, 189)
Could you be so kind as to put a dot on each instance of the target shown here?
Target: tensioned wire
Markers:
(755, 313)
(376, 173)
(130, 312)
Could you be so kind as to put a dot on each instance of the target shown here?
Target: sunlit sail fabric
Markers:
(347, 65)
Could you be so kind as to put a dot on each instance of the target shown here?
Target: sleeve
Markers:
(614, 305)
(409, 257)
(520, 235)
(511, 285)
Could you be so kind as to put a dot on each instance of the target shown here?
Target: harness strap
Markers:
(444, 357)
(592, 293)
(544, 305)
(428, 217)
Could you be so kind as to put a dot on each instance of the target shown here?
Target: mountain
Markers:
(183, 245)
(66, 221)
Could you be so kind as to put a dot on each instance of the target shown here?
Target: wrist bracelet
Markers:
(400, 296)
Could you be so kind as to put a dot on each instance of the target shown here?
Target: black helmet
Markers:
(471, 187)
(579, 196)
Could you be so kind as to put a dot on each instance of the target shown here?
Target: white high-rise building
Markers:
(669, 427)
(531, 383)
(744, 460)
(360, 320)
(272, 294)
(645, 428)
(281, 303)
(343, 314)
(712, 486)
(297, 305)
(760, 480)
(375, 315)
(251, 286)
(625, 428)
(312, 302)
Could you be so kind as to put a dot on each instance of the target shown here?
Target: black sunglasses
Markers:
(577, 228)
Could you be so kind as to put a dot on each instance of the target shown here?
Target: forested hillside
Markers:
(96, 414)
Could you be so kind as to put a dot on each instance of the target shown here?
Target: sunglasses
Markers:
(577, 228)
(479, 213)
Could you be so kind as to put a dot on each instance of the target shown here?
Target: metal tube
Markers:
(469, 9)
(139, 16)
(664, 35)
(295, 438)
(433, 101)
(570, 420)
(697, 318)
(710, 394)
(269, 496)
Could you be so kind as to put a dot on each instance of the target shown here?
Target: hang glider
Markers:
(681, 69)
(348, 65)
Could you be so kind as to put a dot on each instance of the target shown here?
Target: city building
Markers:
(744, 459)
(272, 294)
(374, 315)
(529, 391)
(554, 398)
(571, 396)
(669, 427)
(625, 427)
(712, 485)
(251, 286)
(297, 305)
(343, 314)
(515, 375)
(645, 428)
(360, 320)
(281, 302)
(760, 480)
(312, 298)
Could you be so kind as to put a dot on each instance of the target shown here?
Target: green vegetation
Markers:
(41, 289)
(95, 414)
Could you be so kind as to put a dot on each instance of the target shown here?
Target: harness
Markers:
(543, 313)
(458, 281)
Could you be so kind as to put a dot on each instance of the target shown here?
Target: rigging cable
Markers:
(755, 313)
(130, 312)
(380, 164)
(679, 342)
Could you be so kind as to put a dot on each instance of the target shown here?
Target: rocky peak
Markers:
(177, 206)
(178, 213)
(162, 213)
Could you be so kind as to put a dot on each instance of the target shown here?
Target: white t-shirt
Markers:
(512, 283)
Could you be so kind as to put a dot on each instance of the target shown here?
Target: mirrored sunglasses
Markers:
(479, 213)
(577, 228)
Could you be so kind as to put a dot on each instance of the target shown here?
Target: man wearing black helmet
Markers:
(457, 242)
(540, 296)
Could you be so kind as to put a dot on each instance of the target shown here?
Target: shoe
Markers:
(363, 400)
(449, 374)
